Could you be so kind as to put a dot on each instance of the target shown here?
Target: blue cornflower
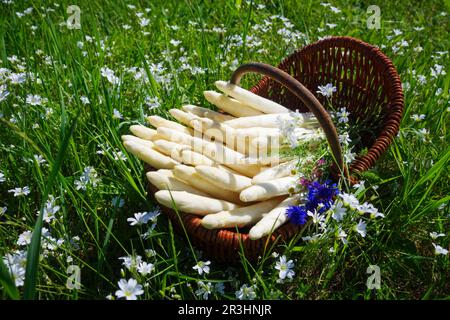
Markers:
(320, 198)
(297, 214)
(321, 194)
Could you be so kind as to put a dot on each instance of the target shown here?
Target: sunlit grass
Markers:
(411, 179)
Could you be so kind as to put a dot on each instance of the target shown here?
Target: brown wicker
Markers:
(367, 85)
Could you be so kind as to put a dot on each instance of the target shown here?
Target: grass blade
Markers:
(35, 245)
(8, 282)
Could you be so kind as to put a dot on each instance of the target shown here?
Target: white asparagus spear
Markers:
(192, 203)
(189, 174)
(223, 178)
(164, 182)
(239, 217)
(213, 150)
(257, 132)
(143, 132)
(267, 190)
(158, 121)
(266, 160)
(230, 105)
(253, 100)
(183, 117)
(273, 120)
(246, 142)
(272, 220)
(215, 131)
(147, 143)
(280, 171)
(194, 158)
(170, 149)
(154, 158)
(207, 113)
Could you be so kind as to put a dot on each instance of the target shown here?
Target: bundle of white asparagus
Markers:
(223, 165)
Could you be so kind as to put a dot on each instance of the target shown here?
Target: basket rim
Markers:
(395, 97)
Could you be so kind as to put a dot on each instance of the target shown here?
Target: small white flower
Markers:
(327, 90)
(117, 114)
(312, 238)
(338, 211)
(152, 102)
(3, 210)
(17, 78)
(143, 22)
(344, 139)
(246, 293)
(202, 267)
(131, 262)
(88, 177)
(129, 289)
(50, 209)
(423, 134)
(439, 250)
(342, 235)
(397, 32)
(39, 159)
(435, 235)
(334, 9)
(418, 117)
(139, 219)
(145, 268)
(2, 177)
(316, 216)
(35, 100)
(84, 100)
(109, 75)
(285, 267)
(361, 228)
(174, 42)
(204, 290)
(349, 200)
(20, 191)
(342, 115)
(110, 297)
(24, 238)
(4, 93)
(18, 274)
(369, 208)
(119, 155)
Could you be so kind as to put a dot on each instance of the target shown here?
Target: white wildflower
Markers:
(204, 290)
(202, 267)
(361, 228)
(129, 289)
(435, 235)
(145, 268)
(20, 191)
(246, 293)
(439, 250)
(117, 114)
(327, 90)
(285, 267)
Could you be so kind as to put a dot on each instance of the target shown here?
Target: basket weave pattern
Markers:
(367, 85)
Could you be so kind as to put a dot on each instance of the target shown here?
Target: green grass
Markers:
(412, 176)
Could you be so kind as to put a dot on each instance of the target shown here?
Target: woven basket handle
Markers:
(304, 95)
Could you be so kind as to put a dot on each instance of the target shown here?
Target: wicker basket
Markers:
(367, 85)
